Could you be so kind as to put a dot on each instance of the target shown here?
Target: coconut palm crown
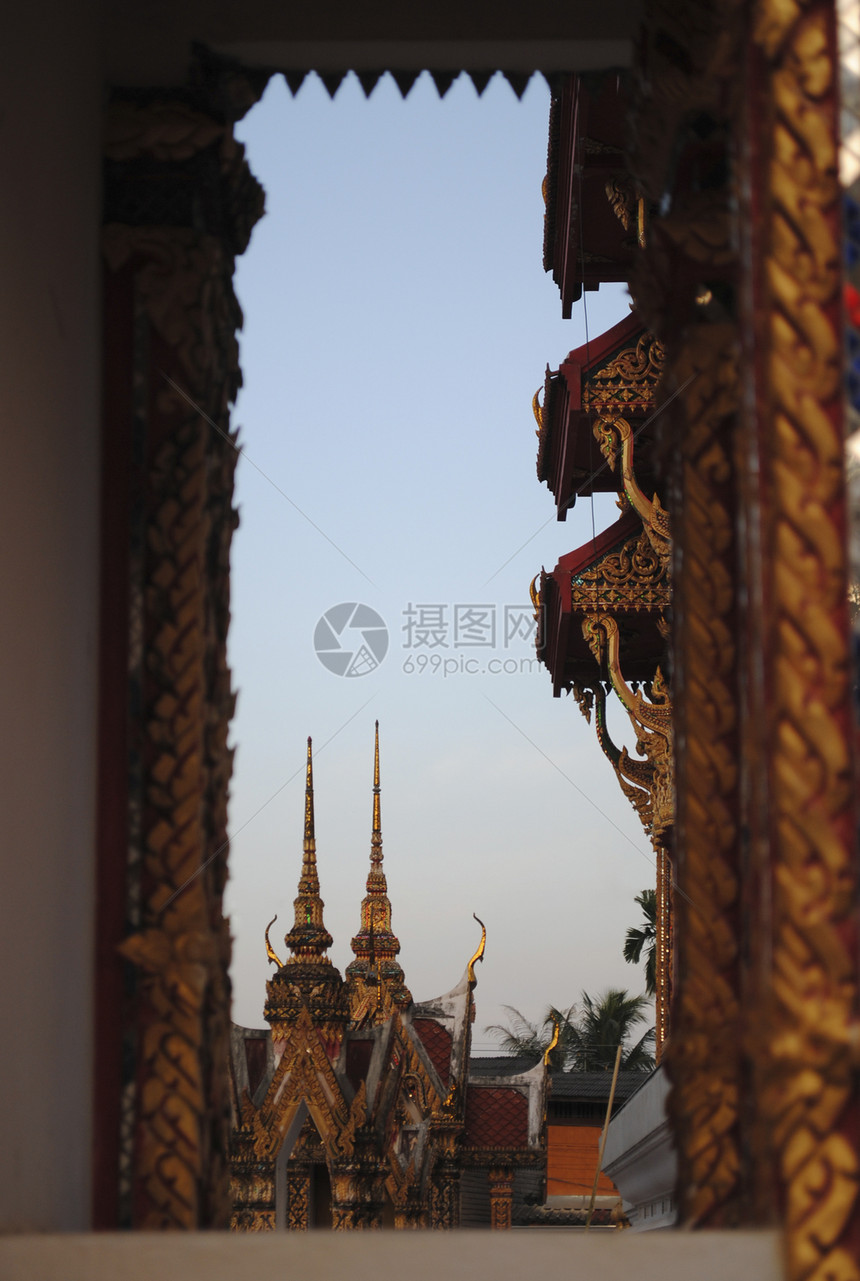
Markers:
(588, 1040)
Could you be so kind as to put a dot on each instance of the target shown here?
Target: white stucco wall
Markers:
(50, 102)
(640, 1156)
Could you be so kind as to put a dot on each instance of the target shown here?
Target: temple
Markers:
(603, 611)
(359, 1108)
(733, 181)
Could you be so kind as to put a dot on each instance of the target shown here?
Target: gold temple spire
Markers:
(376, 834)
(309, 938)
(309, 797)
(376, 945)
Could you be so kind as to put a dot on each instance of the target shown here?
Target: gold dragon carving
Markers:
(635, 777)
(807, 1062)
(615, 437)
(651, 718)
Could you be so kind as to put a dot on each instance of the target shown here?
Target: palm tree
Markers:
(606, 1023)
(587, 1043)
(640, 935)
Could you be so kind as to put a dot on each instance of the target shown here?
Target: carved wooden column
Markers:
(358, 1194)
(298, 1196)
(412, 1213)
(736, 154)
(445, 1195)
(704, 1056)
(180, 203)
(501, 1197)
(684, 288)
(252, 1190)
(803, 855)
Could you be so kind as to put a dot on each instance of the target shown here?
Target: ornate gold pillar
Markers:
(737, 156)
(684, 288)
(252, 1192)
(704, 1056)
(298, 1197)
(358, 1193)
(445, 1194)
(180, 203)
(501, 1197)
(411, 1213)
(803, 855)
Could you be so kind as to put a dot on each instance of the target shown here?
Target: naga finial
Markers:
(556, 1029)
(537, 411)
(270, 951)
(479, 955)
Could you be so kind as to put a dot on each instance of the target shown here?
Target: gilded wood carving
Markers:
(806, 1066)
(177, 280)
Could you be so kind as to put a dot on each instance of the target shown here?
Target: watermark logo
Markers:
(351, 639)
(484, 626)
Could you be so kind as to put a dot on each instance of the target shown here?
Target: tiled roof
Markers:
(593, 1085)
(437, 1042)
(501, 1065)
(496, 1117)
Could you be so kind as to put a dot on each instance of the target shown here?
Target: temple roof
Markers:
(615, 573)
(615, 374)
(591, 228)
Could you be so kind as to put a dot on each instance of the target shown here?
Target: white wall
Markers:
(50, 103)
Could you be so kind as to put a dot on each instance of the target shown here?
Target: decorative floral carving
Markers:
(633, 577)
(628, 382)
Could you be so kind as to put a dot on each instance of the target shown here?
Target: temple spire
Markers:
(309, 938)
(310, 839)
(376, 834)
(376, 945)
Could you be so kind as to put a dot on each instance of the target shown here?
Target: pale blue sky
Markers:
(397, 323)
